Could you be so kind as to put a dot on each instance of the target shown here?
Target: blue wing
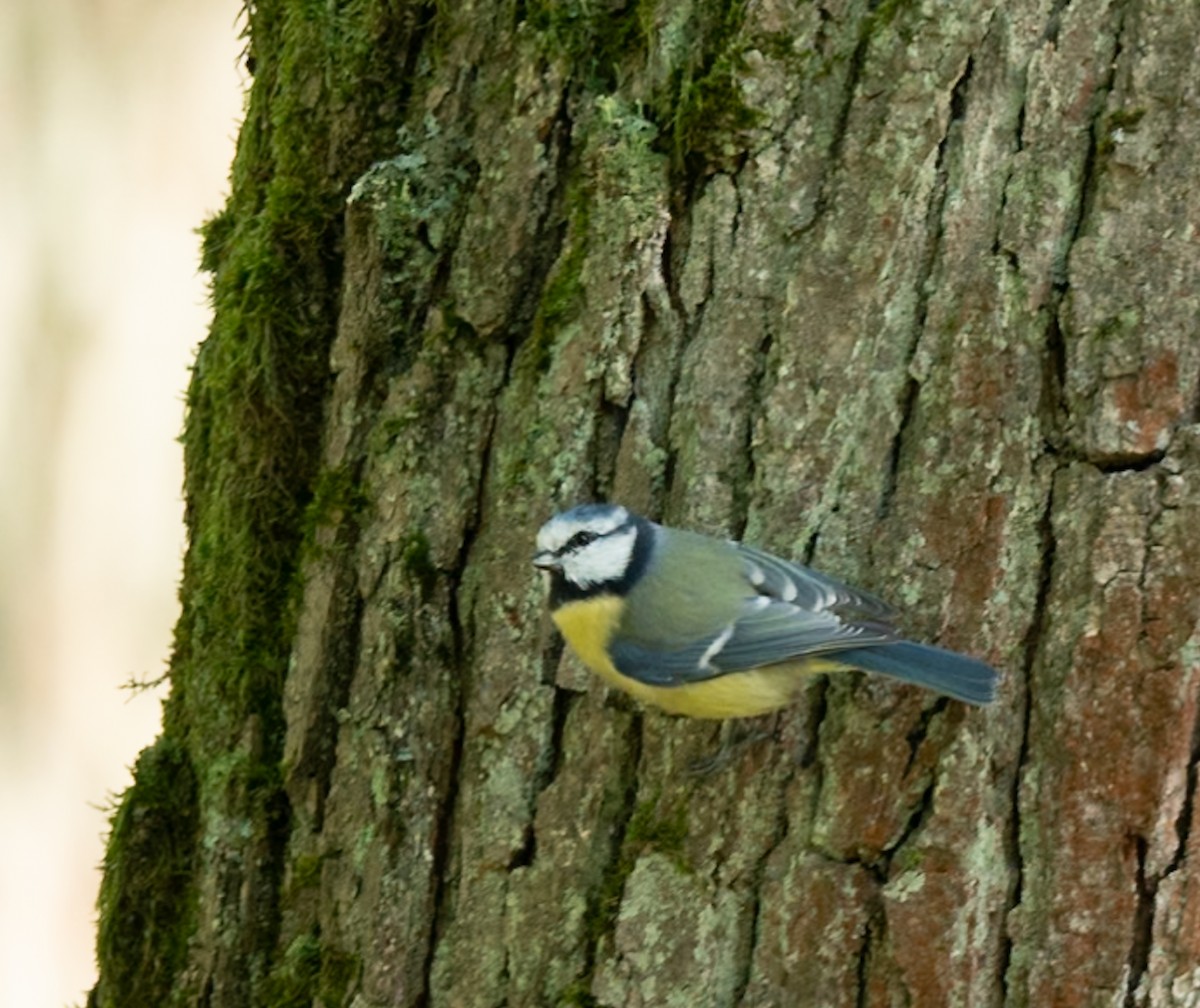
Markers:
(789, 612)
(809, 589)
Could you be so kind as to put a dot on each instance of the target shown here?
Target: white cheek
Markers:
(604, 560)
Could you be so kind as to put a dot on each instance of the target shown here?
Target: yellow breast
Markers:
(588, 626)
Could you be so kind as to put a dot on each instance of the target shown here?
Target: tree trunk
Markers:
(910, 291)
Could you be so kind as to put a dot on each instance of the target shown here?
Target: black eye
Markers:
(579, 540)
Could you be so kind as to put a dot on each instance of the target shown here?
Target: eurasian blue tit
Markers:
(712, 628)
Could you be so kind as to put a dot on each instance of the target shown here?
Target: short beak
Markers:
(545, 560)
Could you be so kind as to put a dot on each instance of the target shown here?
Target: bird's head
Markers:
(593, 549)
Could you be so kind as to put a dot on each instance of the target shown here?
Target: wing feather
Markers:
(789, 612)
(810, 589)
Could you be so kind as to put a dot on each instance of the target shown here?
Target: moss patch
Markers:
(603, 42)
(649, 829)
(682, 62)
(323, 106)
(293, 982)
(147, 900)
(308, 972)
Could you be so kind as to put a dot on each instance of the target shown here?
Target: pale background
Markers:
(117, 121)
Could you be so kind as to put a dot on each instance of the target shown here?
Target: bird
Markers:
(712, 628)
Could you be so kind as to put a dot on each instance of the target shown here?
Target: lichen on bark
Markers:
(905, 290)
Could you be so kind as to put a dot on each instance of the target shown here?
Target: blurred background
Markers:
(117, 124)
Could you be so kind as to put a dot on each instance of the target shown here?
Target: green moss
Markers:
(885, 11)
(239, 774)
(215, 236)
(649, 829)
(322, 107)
(907, 859)
(306, 871)
(703, 103)
(563, 297)
(1125, 118)
(293, 982)
(711, 116)
(340, 972)
(251, 436)
(338, 496)
(147, 898)
(601, 41)
(613, 190)
(577, 995)
(311, 972)
(417, 561)
(684, 64)
(254, 407)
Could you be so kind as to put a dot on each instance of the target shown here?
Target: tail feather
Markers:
(954, 675)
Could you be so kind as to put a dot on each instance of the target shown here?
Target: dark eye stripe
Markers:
(579, 540)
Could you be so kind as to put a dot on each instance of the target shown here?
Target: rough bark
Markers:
(910, 291)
